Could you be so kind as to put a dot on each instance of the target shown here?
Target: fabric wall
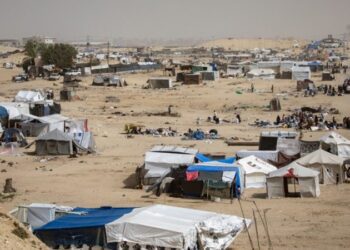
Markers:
(309, 187)
(275, 187)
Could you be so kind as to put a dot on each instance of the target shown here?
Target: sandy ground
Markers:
(239, 43)
(97, 180)
(14, 236)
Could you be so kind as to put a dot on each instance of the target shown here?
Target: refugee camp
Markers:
(187, 125)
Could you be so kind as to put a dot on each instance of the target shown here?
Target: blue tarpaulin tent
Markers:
(202, 158)
(82, 226)
(217, 166)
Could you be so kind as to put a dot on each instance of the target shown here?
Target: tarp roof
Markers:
(294, 169)
(174, 149)
(86, 218)
(203, 158)
(212, 166)
(252, 164)
(55, 135)
(320, 157)
(29, 96)
(173, 227)
(334, 138)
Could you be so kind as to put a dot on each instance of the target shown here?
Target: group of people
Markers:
(215, 118)
(330, 91)
(306, 120)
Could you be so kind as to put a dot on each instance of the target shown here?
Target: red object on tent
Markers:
(290, 173)
(191, 176)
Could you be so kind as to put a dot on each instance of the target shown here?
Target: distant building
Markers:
(40, 39)
(9, 42)
(331, 42)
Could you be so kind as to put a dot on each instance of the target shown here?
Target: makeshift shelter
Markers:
(278, 182)
(36, 214)
(161, 159)
(306, 84)
(327, 76)
(234, 70)
(54, 142)
(161, 226)
(68, 94)
(29, 96)
(11, 135)
(36, 126)
(275, 104)
(255, 171)
(266, 155)
(219, 178)
(160, 83)
(288, 146)
(266, 74)
(336, 144)
(209, 75)
(15, 109)
(192, 79)
(86, 141)
(328, 165)
(83, 226)
(268, 140)
(301, 73)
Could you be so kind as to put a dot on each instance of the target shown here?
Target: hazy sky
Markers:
(173, 19)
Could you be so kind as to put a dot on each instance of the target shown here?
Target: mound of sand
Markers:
(241, 44)
(14, 236)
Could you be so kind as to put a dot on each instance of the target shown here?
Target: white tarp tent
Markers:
(277, 181)
(266, 155)
(161, 159)
(176, 228)
(38, 214)
(255, 171)
(301, 73)
(15, 109)
(336, 144)
(329, 165)
(262, 74)
(29, 96)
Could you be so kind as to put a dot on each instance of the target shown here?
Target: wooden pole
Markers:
(256, 229)
(245, 224)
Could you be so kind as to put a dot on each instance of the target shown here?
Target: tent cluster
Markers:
(32, 115)
(276, 166)
(156, 226)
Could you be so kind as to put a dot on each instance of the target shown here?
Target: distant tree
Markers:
(26, 63)
(61, 55)
(33, 48)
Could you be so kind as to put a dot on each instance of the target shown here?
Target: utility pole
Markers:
(108, 53)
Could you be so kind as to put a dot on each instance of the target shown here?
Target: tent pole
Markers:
(256, 229)
(245, 223)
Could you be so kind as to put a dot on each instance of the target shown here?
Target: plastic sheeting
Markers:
(159, 163)
(84, 226)
(336, 144)
(37, 214)
(29, 96)
(173, 227)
